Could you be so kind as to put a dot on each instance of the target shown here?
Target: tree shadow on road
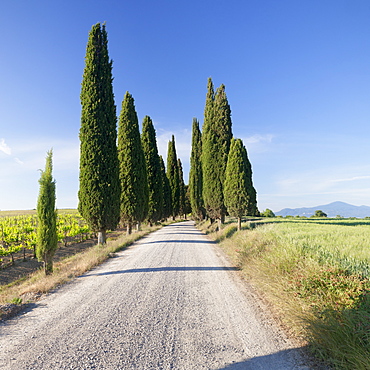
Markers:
(180, 241)
(186, 233)
(295, 358)
(160, 269)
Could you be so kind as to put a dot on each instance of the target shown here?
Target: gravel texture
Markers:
(170, 301)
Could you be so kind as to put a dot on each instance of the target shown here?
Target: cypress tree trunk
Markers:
(102, 237)
(239, 223)
(48, 263)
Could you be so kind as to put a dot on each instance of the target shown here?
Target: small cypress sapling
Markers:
(47, 237)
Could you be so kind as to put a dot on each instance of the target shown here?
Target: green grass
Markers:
(315, 273)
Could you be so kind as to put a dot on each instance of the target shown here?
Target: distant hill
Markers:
(332, 210)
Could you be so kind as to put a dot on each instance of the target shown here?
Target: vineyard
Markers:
(18, 235)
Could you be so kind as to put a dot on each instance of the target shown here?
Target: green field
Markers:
(315, 273)
(341, 242)
(33, 212)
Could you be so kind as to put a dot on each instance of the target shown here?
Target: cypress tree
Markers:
(133, 176)
(173, 177)
(240, 195)
(167, 203)
(187, 200)
(99, 192)
(182, 200)
(215, 148)
(196, 173)
(209, 107)
(47, 238)
(252, 205)
(222, 119)
(149, 144)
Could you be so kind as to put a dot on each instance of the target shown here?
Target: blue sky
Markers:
(297, 77)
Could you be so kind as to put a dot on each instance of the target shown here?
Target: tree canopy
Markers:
(237, 185)
(216, 136)
(133, 175)
(173, 176)
(47, 238)
(153, 167)
(99, 192)
(196, 173)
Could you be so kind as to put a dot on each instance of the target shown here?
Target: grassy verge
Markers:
(29, 288)
(315, 274)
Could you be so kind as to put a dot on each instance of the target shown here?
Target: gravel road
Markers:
(170, 301)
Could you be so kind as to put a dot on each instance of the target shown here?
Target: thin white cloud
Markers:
(355, 178)
(258, 143)
(17, 160)
(20, 173)
(183, 147)
(4, 147)
(257, 138)
(182, 141)
(32, 153)
(324, 181)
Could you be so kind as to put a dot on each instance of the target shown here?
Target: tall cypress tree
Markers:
(196, 173)
(167, 203)
(182, 200)
(187, 200)
(209, 107)
(47, 238)
(133, 176)
(222, 119)
(173, 177)
(149, 144)
(216, 138)
(240, 195)
(252, 205)
(99, 193)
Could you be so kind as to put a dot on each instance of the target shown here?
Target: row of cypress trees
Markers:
(220, 178)
(125, 181)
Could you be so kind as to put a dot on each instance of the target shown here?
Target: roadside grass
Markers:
(315, 274)
(29, 288)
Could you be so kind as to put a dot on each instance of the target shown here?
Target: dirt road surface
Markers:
(170, 301)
